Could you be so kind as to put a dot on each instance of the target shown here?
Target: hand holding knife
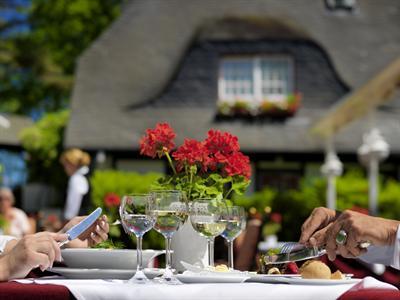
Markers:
(81, 227)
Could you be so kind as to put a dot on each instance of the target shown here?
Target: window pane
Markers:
(238, 77)
(275, 76)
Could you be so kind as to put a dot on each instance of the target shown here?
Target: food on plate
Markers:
(221, 268)
(338, 275)
(291, 268)
(315, 269)
(274, 271)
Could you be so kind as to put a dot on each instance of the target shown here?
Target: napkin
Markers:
(372, 283)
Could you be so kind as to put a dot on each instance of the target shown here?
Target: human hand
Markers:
(359, 228)
(32, 251)
(316, 225)
(94, 235)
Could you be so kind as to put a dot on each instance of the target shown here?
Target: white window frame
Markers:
(257, 97)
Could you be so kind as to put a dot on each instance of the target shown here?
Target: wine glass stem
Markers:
(230, 254)
(139, 253)
(210, 244)
(168, 253)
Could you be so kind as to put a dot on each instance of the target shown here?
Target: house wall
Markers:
(195, 83)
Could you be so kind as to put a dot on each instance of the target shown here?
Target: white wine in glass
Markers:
(206, 219)
(135, 220)
(169, 210)
(235, 219)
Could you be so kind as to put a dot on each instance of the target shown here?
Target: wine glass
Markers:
(235, 220)
(206, 218)
(169, 210)
(136, 221)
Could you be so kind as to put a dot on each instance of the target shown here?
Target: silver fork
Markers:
(288, 247)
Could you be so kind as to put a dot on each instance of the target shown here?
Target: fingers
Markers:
(349, 222)
(319, 218)
(71, 223)
(100, 233)
(41, 249)
(58, 237)
(319, 238)
(42, 261)
(331, 246)
(46, 244)
(353, 246)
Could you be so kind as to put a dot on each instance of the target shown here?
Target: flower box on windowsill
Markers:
(239, 108)
(286, 108)
(269, 109)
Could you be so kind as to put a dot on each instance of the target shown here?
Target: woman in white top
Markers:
(76, 164)
(17, 223)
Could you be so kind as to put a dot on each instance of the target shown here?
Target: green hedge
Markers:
(296, 205)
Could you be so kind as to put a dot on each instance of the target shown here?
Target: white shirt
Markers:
(19, 225)
(386, 255)
(4, 239)
(78, 186)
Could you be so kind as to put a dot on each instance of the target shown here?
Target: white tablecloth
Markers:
(117, 289)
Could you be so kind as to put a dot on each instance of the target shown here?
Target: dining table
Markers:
(64, 289)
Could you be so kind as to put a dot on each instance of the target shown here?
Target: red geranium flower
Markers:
(276, 218)
(192, 152)
(238, 164)
(157, 141)
(111, 200)
(52, 218)
(221, 142)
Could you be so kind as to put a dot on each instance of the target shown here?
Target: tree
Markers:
(41, 41)
(43, 144)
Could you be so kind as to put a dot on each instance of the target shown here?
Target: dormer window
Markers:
(341, 5)
(255, 79)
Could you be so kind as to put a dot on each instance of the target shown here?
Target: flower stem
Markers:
(227, 194)
(170, 162)
(190, 184)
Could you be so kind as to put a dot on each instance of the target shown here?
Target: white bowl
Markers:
(106, 258)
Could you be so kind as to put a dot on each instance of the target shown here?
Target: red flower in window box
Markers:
(214, 167)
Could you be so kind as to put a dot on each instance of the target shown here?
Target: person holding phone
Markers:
(19, 256)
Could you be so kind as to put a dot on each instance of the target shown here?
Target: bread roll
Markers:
(315, 269)
(338, 275)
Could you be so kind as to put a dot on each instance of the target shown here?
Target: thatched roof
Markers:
(136, 58)
(10, 126)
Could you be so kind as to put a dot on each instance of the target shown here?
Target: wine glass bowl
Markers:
(235, 219)
(169, 211)
(206, 218)
(135, 220)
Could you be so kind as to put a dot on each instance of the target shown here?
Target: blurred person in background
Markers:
(76, 165)
(16, 221)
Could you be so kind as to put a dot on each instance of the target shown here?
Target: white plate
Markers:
(210, 271)
(106, 258)
(210, 278)
(77, 273)
(300, 281)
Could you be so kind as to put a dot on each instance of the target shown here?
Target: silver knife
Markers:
(81, 227)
